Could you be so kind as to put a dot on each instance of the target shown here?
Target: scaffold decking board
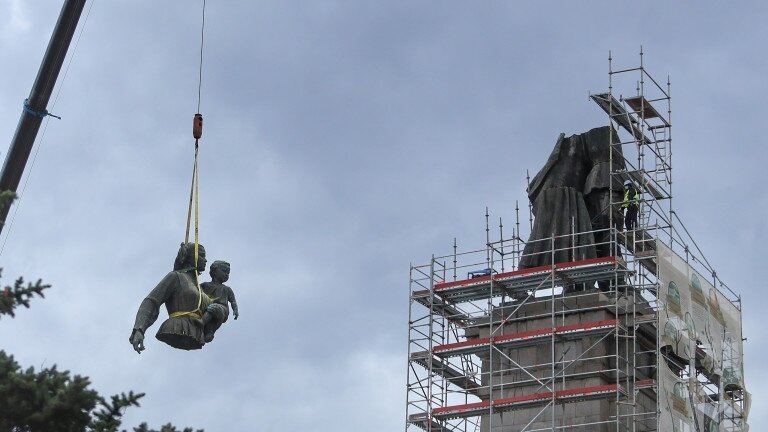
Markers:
(644, 247)
(592, 269)
(530, 337)
(641, 105)
(422, 420)
(519, 402)
(440, 307)
(447, 371)
(533, 271)
(614, 108)
(645, 384)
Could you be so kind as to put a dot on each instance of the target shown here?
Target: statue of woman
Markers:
(183, 299)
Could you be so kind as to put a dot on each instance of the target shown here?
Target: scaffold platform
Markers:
(616, 111)
(447, 371)
(520, 402)
(422, 421)
(642, 245)
(527, 338)
(441, 307)
(588, 270)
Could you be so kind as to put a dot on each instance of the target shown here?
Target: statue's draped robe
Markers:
(578, 166)
(597, 188)
(179, 293)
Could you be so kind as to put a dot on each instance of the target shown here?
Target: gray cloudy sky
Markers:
(343, 140)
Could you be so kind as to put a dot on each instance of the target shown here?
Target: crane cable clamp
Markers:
(42, 114)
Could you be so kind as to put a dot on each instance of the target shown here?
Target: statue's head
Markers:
(186, 257)
(220, 271)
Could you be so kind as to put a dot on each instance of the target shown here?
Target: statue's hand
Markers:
(237, 314)
(137, 340)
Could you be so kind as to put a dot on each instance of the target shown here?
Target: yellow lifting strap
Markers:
(194, 196)
(193, 314)
(194, 193)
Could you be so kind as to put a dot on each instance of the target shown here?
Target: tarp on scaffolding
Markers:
(701, 326)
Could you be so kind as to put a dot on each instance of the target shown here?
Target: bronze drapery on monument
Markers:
(571, 198)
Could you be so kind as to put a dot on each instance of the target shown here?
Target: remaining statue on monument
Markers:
(571, 198)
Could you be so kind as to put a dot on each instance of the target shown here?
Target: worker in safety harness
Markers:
(631, 204)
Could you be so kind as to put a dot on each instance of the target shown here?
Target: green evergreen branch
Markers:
(108, 417)
(20, 295)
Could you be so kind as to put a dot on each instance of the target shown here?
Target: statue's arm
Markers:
(233, 302)
(150, 307)
(146, 315)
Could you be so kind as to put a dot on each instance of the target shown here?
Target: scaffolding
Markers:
(572, 345)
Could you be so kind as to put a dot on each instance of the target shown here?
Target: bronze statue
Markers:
(184, 300)
(571, 198)
(219, 294)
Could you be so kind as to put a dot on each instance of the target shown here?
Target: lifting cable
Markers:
(194, 195)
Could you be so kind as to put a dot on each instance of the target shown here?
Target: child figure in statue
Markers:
(219, 294)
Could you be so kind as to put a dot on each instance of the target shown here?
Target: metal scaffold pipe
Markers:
(35, 107)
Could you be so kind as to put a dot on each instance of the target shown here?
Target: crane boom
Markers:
(35, 107)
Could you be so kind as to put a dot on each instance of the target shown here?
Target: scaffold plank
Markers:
(423, 421)
(521, 339)
(641, 105)
(644, 248)
(440, 307)
(645, 384)
(613, 107)
(526, 401)
(592, 269)
(447, 371)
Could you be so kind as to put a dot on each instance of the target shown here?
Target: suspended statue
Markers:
(193, 316)
(571, 198)
(185, 302)
(219, 294)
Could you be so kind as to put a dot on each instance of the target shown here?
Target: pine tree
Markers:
(51, 400)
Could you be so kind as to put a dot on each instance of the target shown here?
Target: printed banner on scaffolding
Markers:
(700, 326)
